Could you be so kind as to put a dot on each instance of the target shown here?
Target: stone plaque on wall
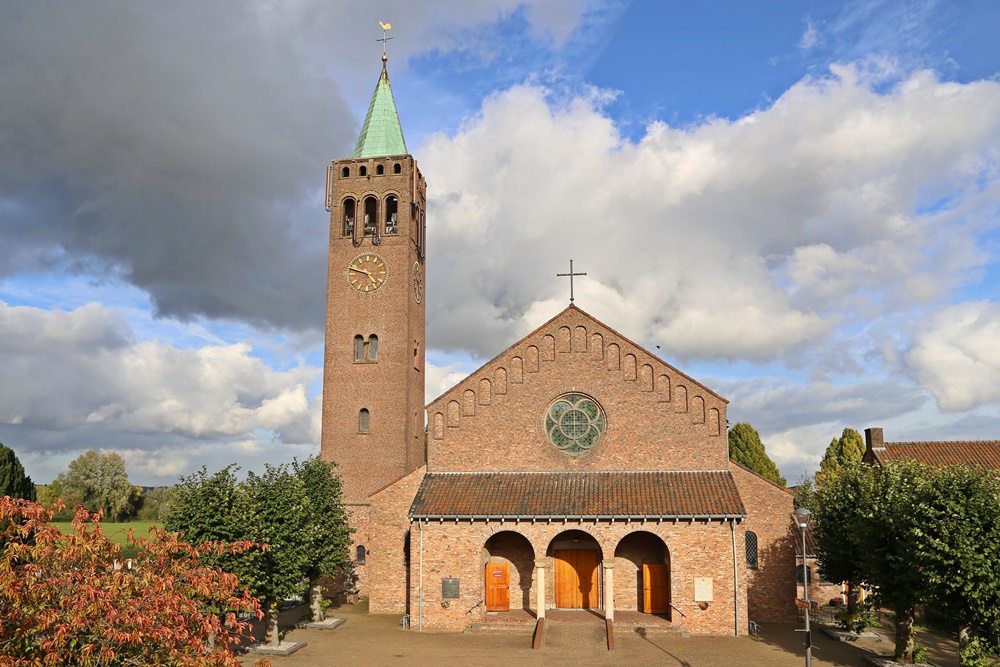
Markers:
(703, 589)
(449, 587)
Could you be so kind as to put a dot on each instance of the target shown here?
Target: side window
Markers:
(373, 348)
(798, 574)
(365, 350)
(751, 545)
(359, 348)
(359, 555)
(363, 418)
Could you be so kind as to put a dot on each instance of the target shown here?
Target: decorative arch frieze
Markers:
(453, 414)
(580, 339)
(516, 370)
(548, 347)
(531, 359)
(597, 346)
(714, 423)
(663, 388)
(500, 376)
(485, 391)
(438, 425)
(698, 410)
(646, 378)
(468, 403)
(681, 402)
(614, 357)
(629, 367)
(563, 339)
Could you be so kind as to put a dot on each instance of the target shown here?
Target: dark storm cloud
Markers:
(178, 145)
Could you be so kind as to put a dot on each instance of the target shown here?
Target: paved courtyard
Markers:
(365, 640)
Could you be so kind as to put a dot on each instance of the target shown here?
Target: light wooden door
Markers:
(576, 579)
(498, 587)
(655, 579)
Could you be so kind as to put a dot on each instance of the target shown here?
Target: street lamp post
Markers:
(802, 516)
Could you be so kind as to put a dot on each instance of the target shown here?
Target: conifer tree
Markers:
(847, 449)
(746, 448)
(13, 481)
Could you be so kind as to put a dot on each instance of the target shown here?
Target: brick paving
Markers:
(375, 640)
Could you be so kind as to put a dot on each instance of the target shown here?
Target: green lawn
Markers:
(117, 532)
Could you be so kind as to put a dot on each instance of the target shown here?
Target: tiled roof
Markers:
(985, 453)
(636, 495)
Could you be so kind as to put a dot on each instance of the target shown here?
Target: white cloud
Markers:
(80, 369)
(756, 238)
(957, 358)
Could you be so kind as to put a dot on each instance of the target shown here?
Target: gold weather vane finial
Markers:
(385, 27)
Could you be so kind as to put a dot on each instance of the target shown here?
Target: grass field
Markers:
(116, 532)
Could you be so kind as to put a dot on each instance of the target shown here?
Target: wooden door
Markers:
(655, 579)
(498, 587)
(576, 579)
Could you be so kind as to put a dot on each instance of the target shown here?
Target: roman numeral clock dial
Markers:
(367, 272)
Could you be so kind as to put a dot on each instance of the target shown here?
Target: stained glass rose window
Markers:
(574, 423)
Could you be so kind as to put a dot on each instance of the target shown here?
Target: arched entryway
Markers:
(642, 574)
(576, 558)
(508, 563)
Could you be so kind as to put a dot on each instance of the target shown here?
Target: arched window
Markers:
(365, 351)
(391, 214)
(363, 420)
(363, 171)
(359, 348)
(751, 544)
(373, 348)
(798, 574)
(345, 172)
(379, 170)
(359, 555)
(349, 214)
(397, 169)
(371, 215)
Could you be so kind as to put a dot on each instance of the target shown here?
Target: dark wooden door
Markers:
(576, 579)
(655, 580)
(497, 587)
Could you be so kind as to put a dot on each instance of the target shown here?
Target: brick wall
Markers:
(390, 546)
(657, 417)
(461, 550)
(771, 586)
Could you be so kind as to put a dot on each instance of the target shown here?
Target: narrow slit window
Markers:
(359, 555)
(363, 419)
(371, 215)
(373, 348)
(349, 215)
(345, 172)
(751, 545)
(391, 214)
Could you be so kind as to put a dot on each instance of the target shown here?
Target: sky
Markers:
(795, 202)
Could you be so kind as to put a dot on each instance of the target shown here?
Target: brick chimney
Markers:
(873, 443)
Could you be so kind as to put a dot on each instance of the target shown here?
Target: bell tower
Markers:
(373, 376)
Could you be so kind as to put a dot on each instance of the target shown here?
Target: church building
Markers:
(574, 471)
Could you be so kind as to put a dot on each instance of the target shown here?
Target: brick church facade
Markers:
(575, 470)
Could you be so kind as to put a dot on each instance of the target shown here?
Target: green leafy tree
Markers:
(867, 532)
(957, 514)
(13, 481)
(746, 449)
(805, 494)
(327, 534)
(848, 448)
(155, 504)
(102, 482)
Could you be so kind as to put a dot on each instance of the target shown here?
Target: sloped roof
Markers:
(381, 133)
(579, 495)
(985, 453)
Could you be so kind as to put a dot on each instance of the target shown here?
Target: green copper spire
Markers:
(381, 134)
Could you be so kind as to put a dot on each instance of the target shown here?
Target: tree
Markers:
(848, 448)
(958, 517)
(64, 601)
(13, 481)
(155, 504)
(746, 449)
(102, 482)
(327, 534)
(805, 494)
(867, 532)
(271, 510)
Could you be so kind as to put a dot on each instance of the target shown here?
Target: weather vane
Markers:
(570, 274)
(385, 27)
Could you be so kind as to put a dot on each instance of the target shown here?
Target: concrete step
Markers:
(574, 635)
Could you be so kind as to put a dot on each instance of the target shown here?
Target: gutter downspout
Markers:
(420, 604)
(736, 583)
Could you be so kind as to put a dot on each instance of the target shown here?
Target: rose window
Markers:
(574, 423)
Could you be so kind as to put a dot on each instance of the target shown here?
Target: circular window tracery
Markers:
(574, 423)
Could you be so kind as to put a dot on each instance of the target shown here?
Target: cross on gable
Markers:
(570, 275)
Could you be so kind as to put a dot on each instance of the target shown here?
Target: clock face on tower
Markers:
(367, 272)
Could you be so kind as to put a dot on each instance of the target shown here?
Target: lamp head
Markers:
(802, 516)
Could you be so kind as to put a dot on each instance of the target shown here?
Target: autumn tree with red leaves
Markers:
(68, 600)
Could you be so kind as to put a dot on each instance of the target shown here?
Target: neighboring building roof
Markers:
(579, 495)
(381, 134)
(985, 453)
